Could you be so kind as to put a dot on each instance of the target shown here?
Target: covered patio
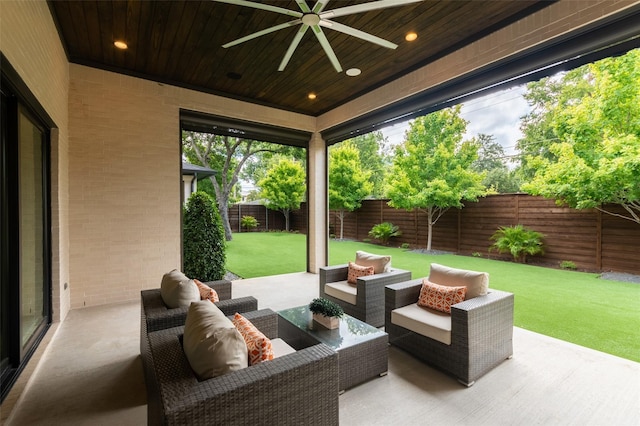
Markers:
(89, 374)
(112, 188)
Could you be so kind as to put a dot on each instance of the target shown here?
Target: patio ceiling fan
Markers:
(316, 18)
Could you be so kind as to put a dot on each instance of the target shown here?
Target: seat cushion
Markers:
(281, 348)
(477, 283)
(380, 263)
(424, 321)
(177, 290)
(342, 290)
(212, 344)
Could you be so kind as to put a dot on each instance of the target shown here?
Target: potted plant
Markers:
(326, 312)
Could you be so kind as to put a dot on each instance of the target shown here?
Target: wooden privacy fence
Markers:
(592, 240)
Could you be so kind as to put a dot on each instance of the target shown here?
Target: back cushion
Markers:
(177, 290)
(477, 283)
(379, 263)
(212, 344)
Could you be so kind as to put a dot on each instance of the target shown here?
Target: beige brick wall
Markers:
(124, 172)
(550, 22)
(29, 40)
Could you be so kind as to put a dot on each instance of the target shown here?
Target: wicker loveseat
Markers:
(368, 291)
(297, 388)
(472, 340)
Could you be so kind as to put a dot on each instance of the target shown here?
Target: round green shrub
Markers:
(203, 239)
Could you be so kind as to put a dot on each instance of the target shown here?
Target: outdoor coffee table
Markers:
(362, 349)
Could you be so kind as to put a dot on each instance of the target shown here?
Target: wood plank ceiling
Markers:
(180, 43)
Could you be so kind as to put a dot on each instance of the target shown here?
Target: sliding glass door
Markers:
(26, 284)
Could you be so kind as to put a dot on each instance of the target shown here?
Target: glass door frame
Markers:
(18, 100)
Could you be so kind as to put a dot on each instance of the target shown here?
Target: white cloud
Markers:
(496, 114)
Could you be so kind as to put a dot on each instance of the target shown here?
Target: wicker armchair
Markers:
(155, 315)
(298, 388)
(369, 306)
(481, 332)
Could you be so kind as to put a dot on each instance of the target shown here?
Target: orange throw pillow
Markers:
(356, 271)
(258, 345)
(207, 293)
(440, 297)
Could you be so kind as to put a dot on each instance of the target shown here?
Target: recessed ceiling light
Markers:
(352, 72)
(120, 44)
(311, 96)
(411, 36)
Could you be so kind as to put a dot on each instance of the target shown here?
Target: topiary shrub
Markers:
(203, 239)
(517, 240)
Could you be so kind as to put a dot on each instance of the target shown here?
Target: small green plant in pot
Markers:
(326, 312)
(517, 240)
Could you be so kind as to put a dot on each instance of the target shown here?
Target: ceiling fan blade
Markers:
(292, 47)
(365, 7)
(327, 47)
(262, 6)
(320, 5)
(332, 25)
(261, 33)
(302, 4)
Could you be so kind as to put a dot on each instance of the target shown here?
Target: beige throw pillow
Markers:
(177, 290)
(379, 263)
(477, 283)
(212, 343)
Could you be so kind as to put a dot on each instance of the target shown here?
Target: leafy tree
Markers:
(348, 183)
(596, 158)
(227, 155)
(203, 241)
(255, 168)
(283, 187)
(432, 169)
(491, 159)
(373, 159)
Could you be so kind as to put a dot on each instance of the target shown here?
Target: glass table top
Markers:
(351, 332)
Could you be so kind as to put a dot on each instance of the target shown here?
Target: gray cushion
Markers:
(211, 342)
(177, 290)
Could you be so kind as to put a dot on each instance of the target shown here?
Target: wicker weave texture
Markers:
(154, 314)
(481, 332)
(370, 296)
(299, 388)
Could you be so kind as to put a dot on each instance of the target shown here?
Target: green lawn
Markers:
(573, 306)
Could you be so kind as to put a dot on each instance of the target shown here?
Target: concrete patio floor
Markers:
(90, 373)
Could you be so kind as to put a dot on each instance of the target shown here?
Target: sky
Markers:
(496, 114)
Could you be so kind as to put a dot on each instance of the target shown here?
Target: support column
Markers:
(317, 247)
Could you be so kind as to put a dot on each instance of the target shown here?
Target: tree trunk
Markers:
(429, 227)
(224, 215)
(286, 219)
(341, 217)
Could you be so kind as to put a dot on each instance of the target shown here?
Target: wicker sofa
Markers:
(369, 306)
(481, 332)
(155, 315)
(298, 388)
